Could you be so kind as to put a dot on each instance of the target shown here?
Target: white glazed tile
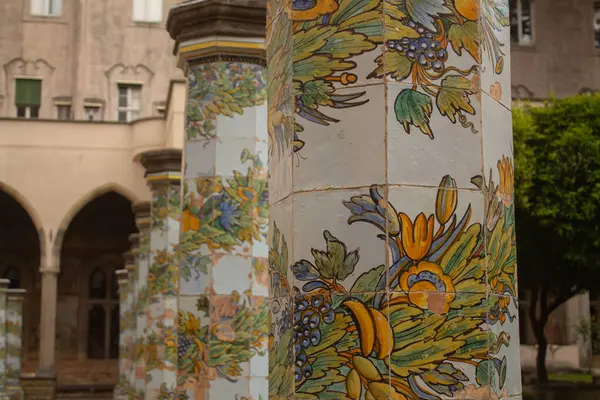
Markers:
(231, 273)
(417, 159)
(316, 213)
(329, 150)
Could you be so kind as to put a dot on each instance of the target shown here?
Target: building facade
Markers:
(88, 85)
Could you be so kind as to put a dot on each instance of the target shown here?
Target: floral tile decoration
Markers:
(392, 270)
(223, 308)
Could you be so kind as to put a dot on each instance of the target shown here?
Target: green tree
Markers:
(557, 174)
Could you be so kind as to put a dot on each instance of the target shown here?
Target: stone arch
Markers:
(27, 206)
(81, 203)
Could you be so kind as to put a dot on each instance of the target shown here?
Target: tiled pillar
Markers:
(131, 339)
(3, 338)
(14, 341)
(163, 173)
(138, 369)
(123, 385)
(223, 309)
(392, 248)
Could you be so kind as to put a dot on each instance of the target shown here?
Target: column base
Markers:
(39, 388)
(15, 392)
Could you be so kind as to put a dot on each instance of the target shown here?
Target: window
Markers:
(161, 112)
(147, 10)
(521, 31)
(92, 113)
(63, 111)
(129, 102)
(46, 7)
(28, 94)
(103, 315)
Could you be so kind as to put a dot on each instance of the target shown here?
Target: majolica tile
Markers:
(243, 126)
(450, 256)
(281, 151)
(260, 276)
(231, 273)
(221, 388)
(202, 159)
(259, 388)
(281, 249)
(347, 256)
(434, 47)
(504, 354)
(330, 146)
(230, 154)
(495, 51)
(496, 134)
(429, 136)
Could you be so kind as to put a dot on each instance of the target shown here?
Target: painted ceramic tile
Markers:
(221, 89)
(221, 388)
(3, 342)
(281, 151)
(416, 159)
(332, 147)
(504, 354)
(259, 388)
(495, 50)
(281, 277)
(231, 273)
(14, 338)
(496, 133)
(281, 351)
(431, 46)
(343, 257)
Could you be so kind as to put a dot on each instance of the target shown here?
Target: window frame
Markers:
(96, 107)
(107, 303)
(47, 8)
(519, 11)
(128, 109)
(142, 16)
(29, 111)
(58, 106)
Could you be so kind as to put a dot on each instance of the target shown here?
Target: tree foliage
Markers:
(557, 158)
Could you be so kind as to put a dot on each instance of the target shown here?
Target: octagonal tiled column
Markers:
(123, 384)
(163, 173)
(223, 311)
(392, 255)
(14, 341)
(138, 369)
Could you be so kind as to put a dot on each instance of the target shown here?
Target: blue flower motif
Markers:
(227, 215)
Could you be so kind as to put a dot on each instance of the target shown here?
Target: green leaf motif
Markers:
(465, 36)
(424, 11)
(335, 262)
(414, 108)
(453, 97)
(485, 373)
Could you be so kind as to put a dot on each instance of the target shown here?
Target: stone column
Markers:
(223, 307)
(163, 172)
(14, 341)
(392, 252)
(47, 363)
(142, 220)
(122, 386)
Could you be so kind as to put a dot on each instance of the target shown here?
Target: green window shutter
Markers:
(28, 92)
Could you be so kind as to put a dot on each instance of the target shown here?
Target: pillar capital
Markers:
(162, 166)
(121, 277)
(208, 30)
(16, 294)
(142, 215)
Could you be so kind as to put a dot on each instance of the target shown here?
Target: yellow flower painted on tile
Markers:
(306, 10)
(418, 236)
(507, 184)
(496, 91)
(425, 279)
(446, 199)
(189, 222)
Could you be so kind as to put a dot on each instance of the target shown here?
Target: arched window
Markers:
(13, 275)
(103, 314)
